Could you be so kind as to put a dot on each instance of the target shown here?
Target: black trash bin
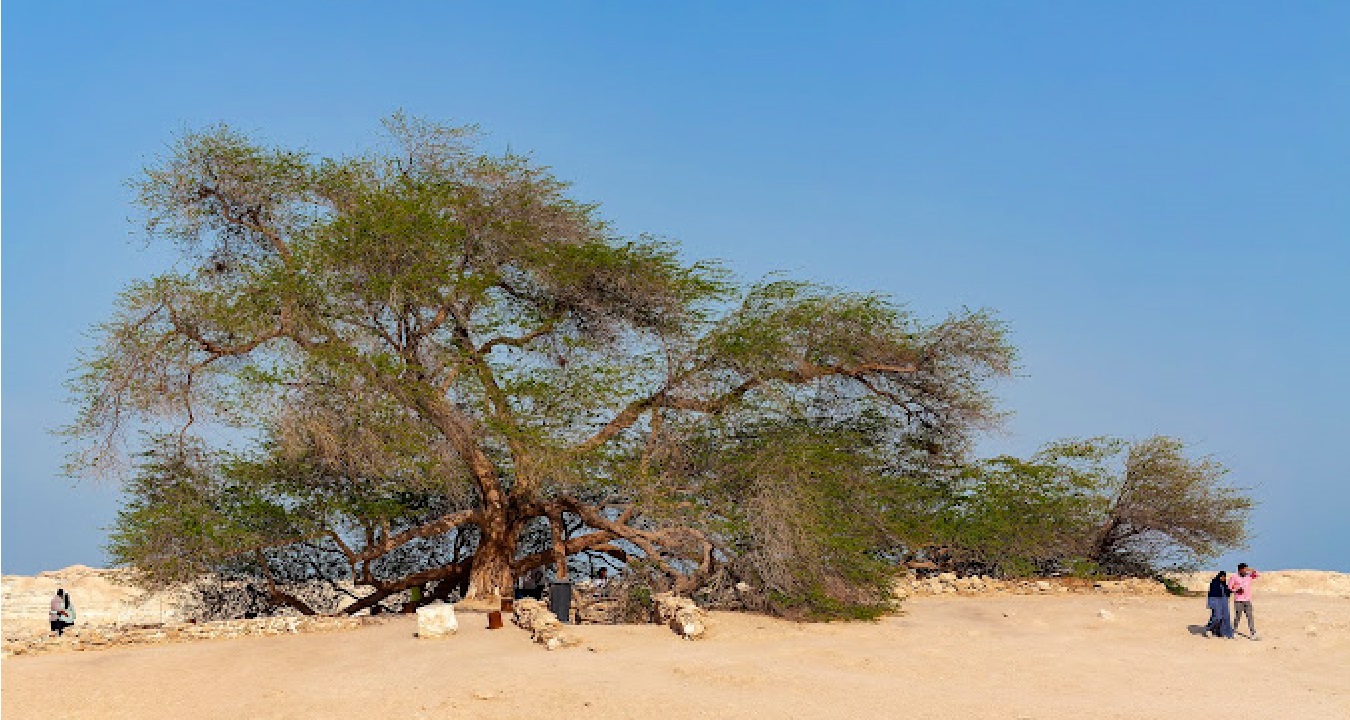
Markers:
(560, 600)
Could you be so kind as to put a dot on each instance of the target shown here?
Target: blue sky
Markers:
(1154, 197)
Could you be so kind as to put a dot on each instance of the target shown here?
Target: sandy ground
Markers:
(1000, 657)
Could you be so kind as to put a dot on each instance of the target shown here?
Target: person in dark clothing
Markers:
(531, 585)
(1220, 619)
(62, 612)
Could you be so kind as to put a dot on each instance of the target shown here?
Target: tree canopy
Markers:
(431, 366)
(1096, 505)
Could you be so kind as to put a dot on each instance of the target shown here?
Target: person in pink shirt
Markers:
(1241, 585)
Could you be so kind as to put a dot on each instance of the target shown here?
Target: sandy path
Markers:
(984, 657)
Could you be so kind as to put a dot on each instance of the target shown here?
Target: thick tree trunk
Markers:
(555, 526)
(491, 573)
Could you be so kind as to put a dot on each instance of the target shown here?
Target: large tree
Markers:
(432, 364)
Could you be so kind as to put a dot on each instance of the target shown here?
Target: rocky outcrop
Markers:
(102, 597)
(543, 626)
(1294, 582)
(683, 616)
(951, 584)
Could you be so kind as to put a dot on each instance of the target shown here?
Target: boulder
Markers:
(436, 620)
(683, 616)
(542, 624)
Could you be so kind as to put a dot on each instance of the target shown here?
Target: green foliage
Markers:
(1088, 508)
(1013, 515)
(635, 599)
(810, 509)
(1175, 587)
(1166, 511)
(179, 517)
(430, 359)
(1083, 569)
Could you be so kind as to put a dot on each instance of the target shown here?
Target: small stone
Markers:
(1106, 614)
(1043, 586)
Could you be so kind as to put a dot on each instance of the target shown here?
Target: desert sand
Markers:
(996, 656)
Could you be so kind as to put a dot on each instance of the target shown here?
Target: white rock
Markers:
(436, 620)
(1106, 615)
(682, 615)
(1043, 585)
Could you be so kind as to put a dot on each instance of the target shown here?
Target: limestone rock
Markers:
(683, 616)
(436, 620)
(543, 625)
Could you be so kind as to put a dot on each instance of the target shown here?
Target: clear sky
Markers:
(1154, 196)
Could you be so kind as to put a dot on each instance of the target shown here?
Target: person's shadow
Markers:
(1196, 629)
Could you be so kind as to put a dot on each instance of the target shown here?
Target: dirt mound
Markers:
(1298, 582)
(101, 597)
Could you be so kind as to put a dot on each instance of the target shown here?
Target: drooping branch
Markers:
(520, 341)
(277, 594)
(439, 526)
(193, 333)
(627, 417)
(598, 541)
(453, 573)
(647, 542)
(803, 373)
